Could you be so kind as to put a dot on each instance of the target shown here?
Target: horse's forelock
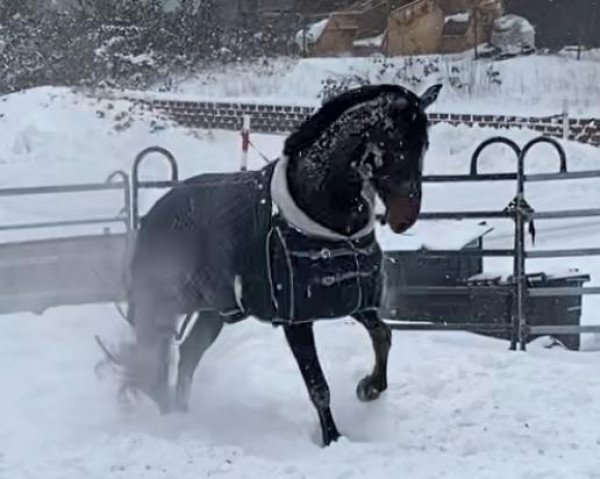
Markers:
(332, 110)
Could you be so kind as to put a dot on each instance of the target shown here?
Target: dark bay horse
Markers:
(289, 244)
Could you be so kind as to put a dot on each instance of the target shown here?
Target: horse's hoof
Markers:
(367, 391)
(333, 436)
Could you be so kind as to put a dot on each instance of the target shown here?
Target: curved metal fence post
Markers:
(126, 194)
(519, 264)
(520, 220)
(492, 141)
(519, 248)
(562, 156)
(135, 183)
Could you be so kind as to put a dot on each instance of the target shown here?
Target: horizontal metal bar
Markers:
(462, 253)
(436, 253)
(54, 224)
(561, 291)
(460, 215)
(562, 253)
(159, 184)
(449, 178)
(551, 329)
(468, 178)
(552, 215)
(469, 327)
(40, 190)
(575, 175)
(454, 290)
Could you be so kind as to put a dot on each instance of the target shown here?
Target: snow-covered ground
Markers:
(458, 405)
(531, 85)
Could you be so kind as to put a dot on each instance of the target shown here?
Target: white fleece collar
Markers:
(280, 195)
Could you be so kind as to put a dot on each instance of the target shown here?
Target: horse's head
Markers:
(368, 140)
(393, 158)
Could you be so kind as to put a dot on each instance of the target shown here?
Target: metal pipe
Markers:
(554, 215)
(437, 253)
(159, 184)
(562, 253)
(54, 224)
(547, 329)
(519, 258)
(126, 183)
(491, 141)
(533, 177)
(545, 292)
(459, 215)
(574, 175)
(522, 215)
(562, 157)
(454, 290)
(458, 327)
(135, 183)
(469, 178)
(40, 190)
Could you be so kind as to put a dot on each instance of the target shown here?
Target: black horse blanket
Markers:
(224, 244)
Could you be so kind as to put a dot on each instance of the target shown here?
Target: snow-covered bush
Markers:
(460, 74)
(119, 43)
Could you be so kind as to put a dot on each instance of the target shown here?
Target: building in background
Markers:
(468, 27)
(414, 28)
(401, 27)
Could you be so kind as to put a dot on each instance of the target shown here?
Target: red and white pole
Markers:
(245, 142)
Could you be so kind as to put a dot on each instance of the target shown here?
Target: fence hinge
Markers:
(526, 210)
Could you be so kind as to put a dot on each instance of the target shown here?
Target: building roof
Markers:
(457, 24)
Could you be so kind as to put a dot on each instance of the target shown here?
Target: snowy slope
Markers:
(458, 405)
(532, 85)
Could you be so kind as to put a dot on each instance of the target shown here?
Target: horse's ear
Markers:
(430, 95)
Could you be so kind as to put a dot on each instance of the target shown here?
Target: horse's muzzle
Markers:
(401, 213)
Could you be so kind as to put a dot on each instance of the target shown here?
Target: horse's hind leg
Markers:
(149, 362)
(371, 386)
(302, 343)
(204, 332)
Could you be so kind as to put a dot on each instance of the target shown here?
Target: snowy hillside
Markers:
(458, 405)
(532, 85)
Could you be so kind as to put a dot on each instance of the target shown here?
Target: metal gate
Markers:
(518, 290)
(35, 275)
(38, 274)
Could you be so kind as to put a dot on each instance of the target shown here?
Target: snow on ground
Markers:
(531, 85)
(458, 405)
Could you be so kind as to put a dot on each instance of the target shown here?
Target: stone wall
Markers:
(281, 119)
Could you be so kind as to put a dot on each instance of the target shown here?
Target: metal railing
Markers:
(521, 213)
(517, 289)
(119, 180)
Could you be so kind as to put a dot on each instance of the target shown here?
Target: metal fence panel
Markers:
(36, 275)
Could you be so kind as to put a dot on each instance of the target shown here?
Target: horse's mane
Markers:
(314, 126)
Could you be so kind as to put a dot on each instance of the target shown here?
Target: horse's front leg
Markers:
(302, 343)
(371, 386)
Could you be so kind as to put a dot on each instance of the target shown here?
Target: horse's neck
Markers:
(330, 196)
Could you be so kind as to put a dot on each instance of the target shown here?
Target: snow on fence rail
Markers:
(274, 119)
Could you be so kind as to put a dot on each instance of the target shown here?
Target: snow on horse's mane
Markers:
(342, 106)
